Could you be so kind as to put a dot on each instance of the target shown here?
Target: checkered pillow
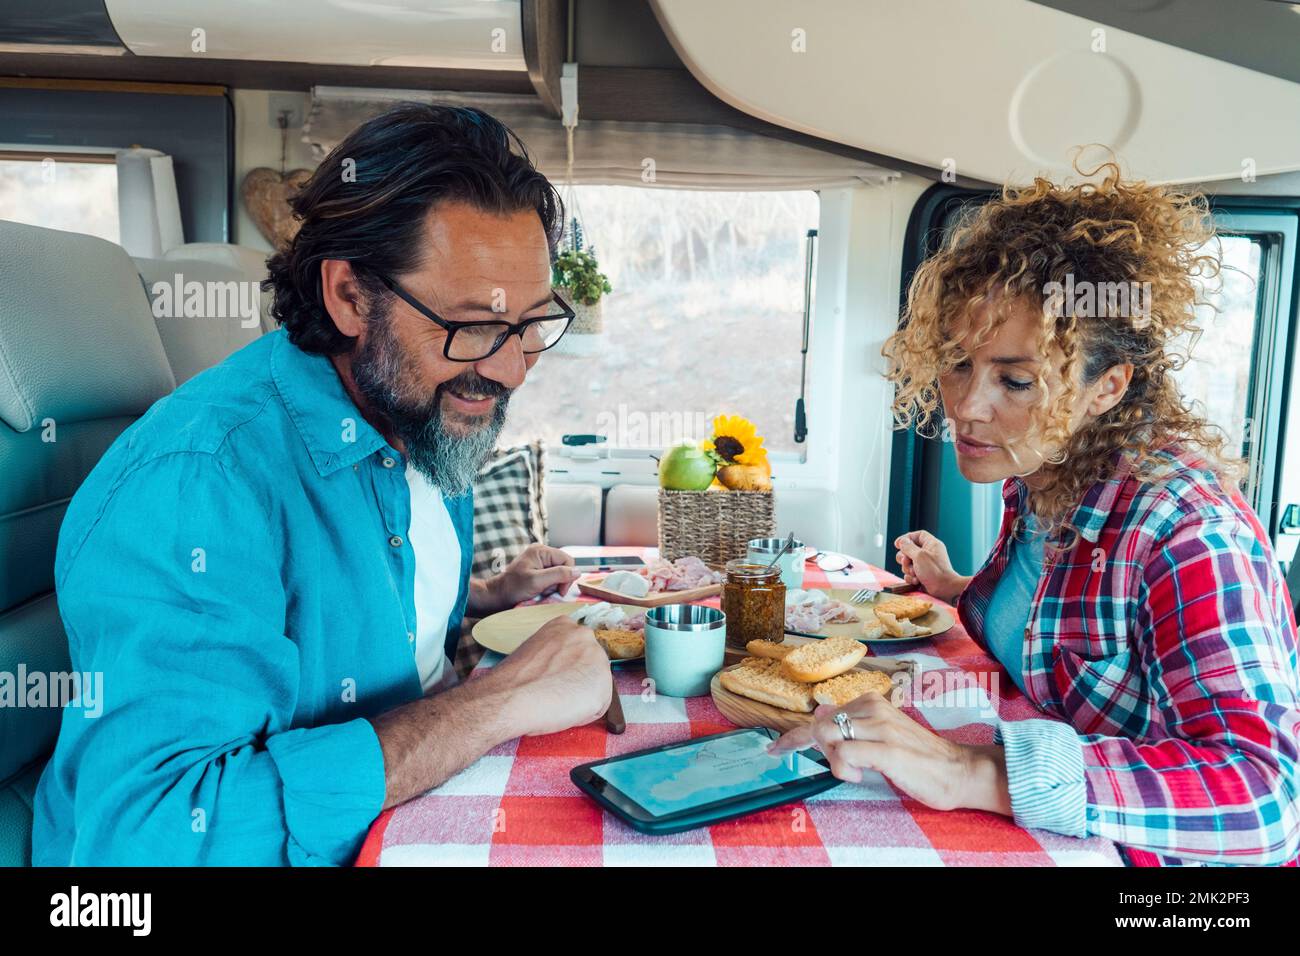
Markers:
(509, 509)
(509, 515)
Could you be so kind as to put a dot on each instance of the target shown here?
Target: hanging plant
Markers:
(579, 272)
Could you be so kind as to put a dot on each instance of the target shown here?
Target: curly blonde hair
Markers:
(1013, 248)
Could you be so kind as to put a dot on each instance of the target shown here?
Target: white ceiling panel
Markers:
(464, 34)
(994, 89)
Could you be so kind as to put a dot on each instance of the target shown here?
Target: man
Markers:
(271, 566)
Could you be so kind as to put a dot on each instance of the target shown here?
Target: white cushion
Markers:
(632, 516)
(572, 514)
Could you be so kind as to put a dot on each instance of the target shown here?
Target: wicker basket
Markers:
(715, 526)
(587, 319)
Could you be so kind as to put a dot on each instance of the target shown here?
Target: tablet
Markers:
(696, 783)
(609, 562)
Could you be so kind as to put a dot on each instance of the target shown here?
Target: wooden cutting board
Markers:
(591, 587)
(744, 712)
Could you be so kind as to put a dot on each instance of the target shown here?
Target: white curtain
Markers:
(684, 155)
(148, 210)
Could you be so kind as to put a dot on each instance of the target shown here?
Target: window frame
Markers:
(1275, 316)
(104, 157)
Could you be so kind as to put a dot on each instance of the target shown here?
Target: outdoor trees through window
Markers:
(705, 318)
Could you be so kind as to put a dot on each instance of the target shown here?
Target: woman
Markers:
(1132, 593)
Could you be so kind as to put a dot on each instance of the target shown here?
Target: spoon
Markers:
(789, 543)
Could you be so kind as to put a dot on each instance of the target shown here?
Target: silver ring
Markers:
(843, 722)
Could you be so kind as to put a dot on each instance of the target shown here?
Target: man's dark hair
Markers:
(368, 199)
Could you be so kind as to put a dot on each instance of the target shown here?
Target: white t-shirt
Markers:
(437, 580)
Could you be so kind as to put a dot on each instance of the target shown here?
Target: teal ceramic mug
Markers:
(684, 647)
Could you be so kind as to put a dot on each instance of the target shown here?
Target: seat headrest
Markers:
(77, 338)
(204, 311)
(251, 262)
(245, 259)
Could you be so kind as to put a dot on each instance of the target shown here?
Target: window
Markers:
(73, 192)
(1218, 375)
(1237, 372)
(706, 317)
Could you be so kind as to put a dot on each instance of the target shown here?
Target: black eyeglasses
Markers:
(475, 341)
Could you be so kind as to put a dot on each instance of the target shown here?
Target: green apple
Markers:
(686, 467)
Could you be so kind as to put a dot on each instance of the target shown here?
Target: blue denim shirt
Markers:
(237, 568)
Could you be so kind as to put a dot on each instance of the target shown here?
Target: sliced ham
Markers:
(810, 611)
(803, 617)
(680, 575)
(837, 612)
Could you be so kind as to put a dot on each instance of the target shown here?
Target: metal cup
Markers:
(763, 550)
(684, 647)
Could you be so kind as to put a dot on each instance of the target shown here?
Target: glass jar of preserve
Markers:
(753, 598)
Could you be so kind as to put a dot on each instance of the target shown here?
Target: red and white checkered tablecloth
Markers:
(517, 807)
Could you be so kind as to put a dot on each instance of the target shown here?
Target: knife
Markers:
(614, 721)
(903, 588)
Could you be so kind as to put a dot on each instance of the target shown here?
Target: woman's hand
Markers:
(924, 560)
(938, 772)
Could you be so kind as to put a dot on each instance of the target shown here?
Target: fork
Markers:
(864, 596)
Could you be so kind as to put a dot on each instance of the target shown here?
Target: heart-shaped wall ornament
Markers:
(266, 193)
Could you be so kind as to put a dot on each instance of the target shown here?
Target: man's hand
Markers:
(938, 772)
(557, 679)
(540, 570)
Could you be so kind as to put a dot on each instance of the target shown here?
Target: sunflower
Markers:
(736, 441)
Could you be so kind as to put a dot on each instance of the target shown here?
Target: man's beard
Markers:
(385, 377)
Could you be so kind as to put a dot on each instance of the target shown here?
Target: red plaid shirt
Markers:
(1166, 641)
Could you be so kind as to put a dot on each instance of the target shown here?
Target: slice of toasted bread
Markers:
(768, 686)
(619, 644)
(904, 607)
(896, 628)
(770, 649)
(822, 660)
(761, 663)
(872, 629)
(851, 685)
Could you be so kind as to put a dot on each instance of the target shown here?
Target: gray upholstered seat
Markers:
(194, 342)
(80, 359)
